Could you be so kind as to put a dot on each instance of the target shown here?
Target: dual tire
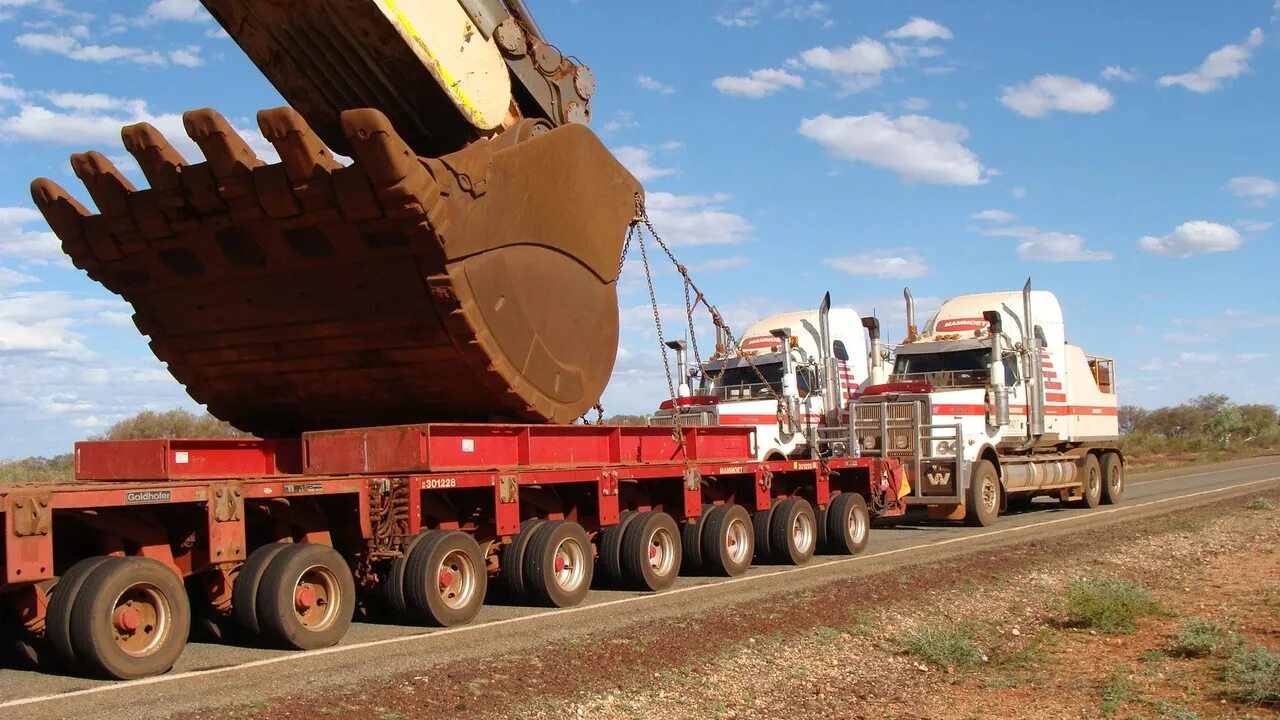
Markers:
(787, 533)
(294, 596)
(441, 579)
(549, 562)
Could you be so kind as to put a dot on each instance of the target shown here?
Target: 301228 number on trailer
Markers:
(284, 543)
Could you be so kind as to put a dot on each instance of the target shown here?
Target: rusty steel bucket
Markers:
(304, 295)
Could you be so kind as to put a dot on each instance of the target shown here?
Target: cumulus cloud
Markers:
(916, 104)
(855, 68)
(1059, 247)
(1049, 93)
(1197, 237)
(24, 244)
(1254, 226)
(917, 148)
(1115, 72)
(649, 83)
(1257, 189)
(1018, 193)
(889, 264)
(640, 162)
(176, 10)
(918, 28)
(758, 83)
(687, 220)
(999, 216)
(71, 47)
(1225, 63)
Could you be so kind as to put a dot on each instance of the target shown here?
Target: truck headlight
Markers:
(869, 442)
(900, 442)
(944, 447)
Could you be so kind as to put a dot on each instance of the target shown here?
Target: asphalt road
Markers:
(210, 676)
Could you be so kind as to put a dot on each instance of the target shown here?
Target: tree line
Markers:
(1207, 422)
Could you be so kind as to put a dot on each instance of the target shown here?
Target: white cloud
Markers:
(1249, 357)
(744, 17)
(916, 104)
(1195, 358)
(916, 147)
(71, 47)
(1018, 193)
(804, 11)
(687, 220)
(649, 83)
(19, 243)
(752, 12)
(1048, 93)
(1193, 238)
(1187, 337)
(999, 216)
(186, 57)
(855, 68)
(176, 10)
(918, 28)
(621, 120)
(758, 83)
(639, 161)
(890, 264)
(1059, 247)
(1115, 72)
(8, 93)
(1254, 225)
(1225, 63)
(724, 263)
(12, 278)
(1257, 189)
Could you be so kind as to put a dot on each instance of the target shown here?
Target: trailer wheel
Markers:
(691, 540)
(760, 520)
(651, 552)
(1090, 482)
(558, 565)
(307, 597)
(1112, 478)
(728, 540)
(511, 560)
(445, 579)
(57, 624)
(848, 524)
(793, 531)
(131, 619)
(393, 584)
(244, 592)
(982, 501)
(609, 548)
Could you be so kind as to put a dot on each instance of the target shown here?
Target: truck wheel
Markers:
(609, 544)
(651, 552)
(848, 524)
(691, 540)
(982, 501)
(557, 564)
(1090, 482)
(244, 593)
(57, 624)
(760, 520)
(131, 619)
(511, 561)
(1112, 478)
(445, 579)
(728, 540)
(393, 584)
(793, 531)
(306, 598)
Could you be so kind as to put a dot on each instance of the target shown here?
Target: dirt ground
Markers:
(840, 651)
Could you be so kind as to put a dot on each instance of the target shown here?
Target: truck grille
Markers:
(687, 419)
(901, 425)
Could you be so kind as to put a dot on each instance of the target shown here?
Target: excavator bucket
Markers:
(305, 295)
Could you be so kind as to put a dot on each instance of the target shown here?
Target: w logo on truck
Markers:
(938, 478)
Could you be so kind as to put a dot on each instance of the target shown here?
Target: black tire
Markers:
(760, 520)
(244, 592)
(511, 559)
(982, 499)
(719, 555)
(1112, 478)
(160, 608)
(651, 552)
(691, 541)
(455, 555)
(848, 524)
(793, 532)
(329, 579)
(57, 624)
(821, 515)
(1090, 482)
(393, 584)
(609, 544)
(543, 579)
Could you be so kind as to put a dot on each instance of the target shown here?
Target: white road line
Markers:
(297, 656)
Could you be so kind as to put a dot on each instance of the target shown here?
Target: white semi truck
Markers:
(789, 375)
(990, 406)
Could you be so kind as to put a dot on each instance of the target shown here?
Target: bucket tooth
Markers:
(66, 217)
(230, 160)
(107, 186)
(305, 160)
(405, 187)
(161, 164)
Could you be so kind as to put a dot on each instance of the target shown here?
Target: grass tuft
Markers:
(1168, 711)
(1108, 605)
(948, 646)
(1259, 504)
(1252, 676)
(1117, 691)
(1198, 638)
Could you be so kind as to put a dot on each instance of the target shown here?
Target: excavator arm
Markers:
(462, 268)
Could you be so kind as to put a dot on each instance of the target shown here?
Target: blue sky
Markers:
(1123, 155)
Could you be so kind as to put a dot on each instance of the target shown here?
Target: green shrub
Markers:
(1117, 691)
(1198, 638)
(1252, 676)
(1108, 604)
(1259, 504)
(949, 646)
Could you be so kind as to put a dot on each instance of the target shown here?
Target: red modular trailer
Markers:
(287, 539)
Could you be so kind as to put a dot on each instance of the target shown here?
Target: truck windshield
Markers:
(743, 383)
(959, 368)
